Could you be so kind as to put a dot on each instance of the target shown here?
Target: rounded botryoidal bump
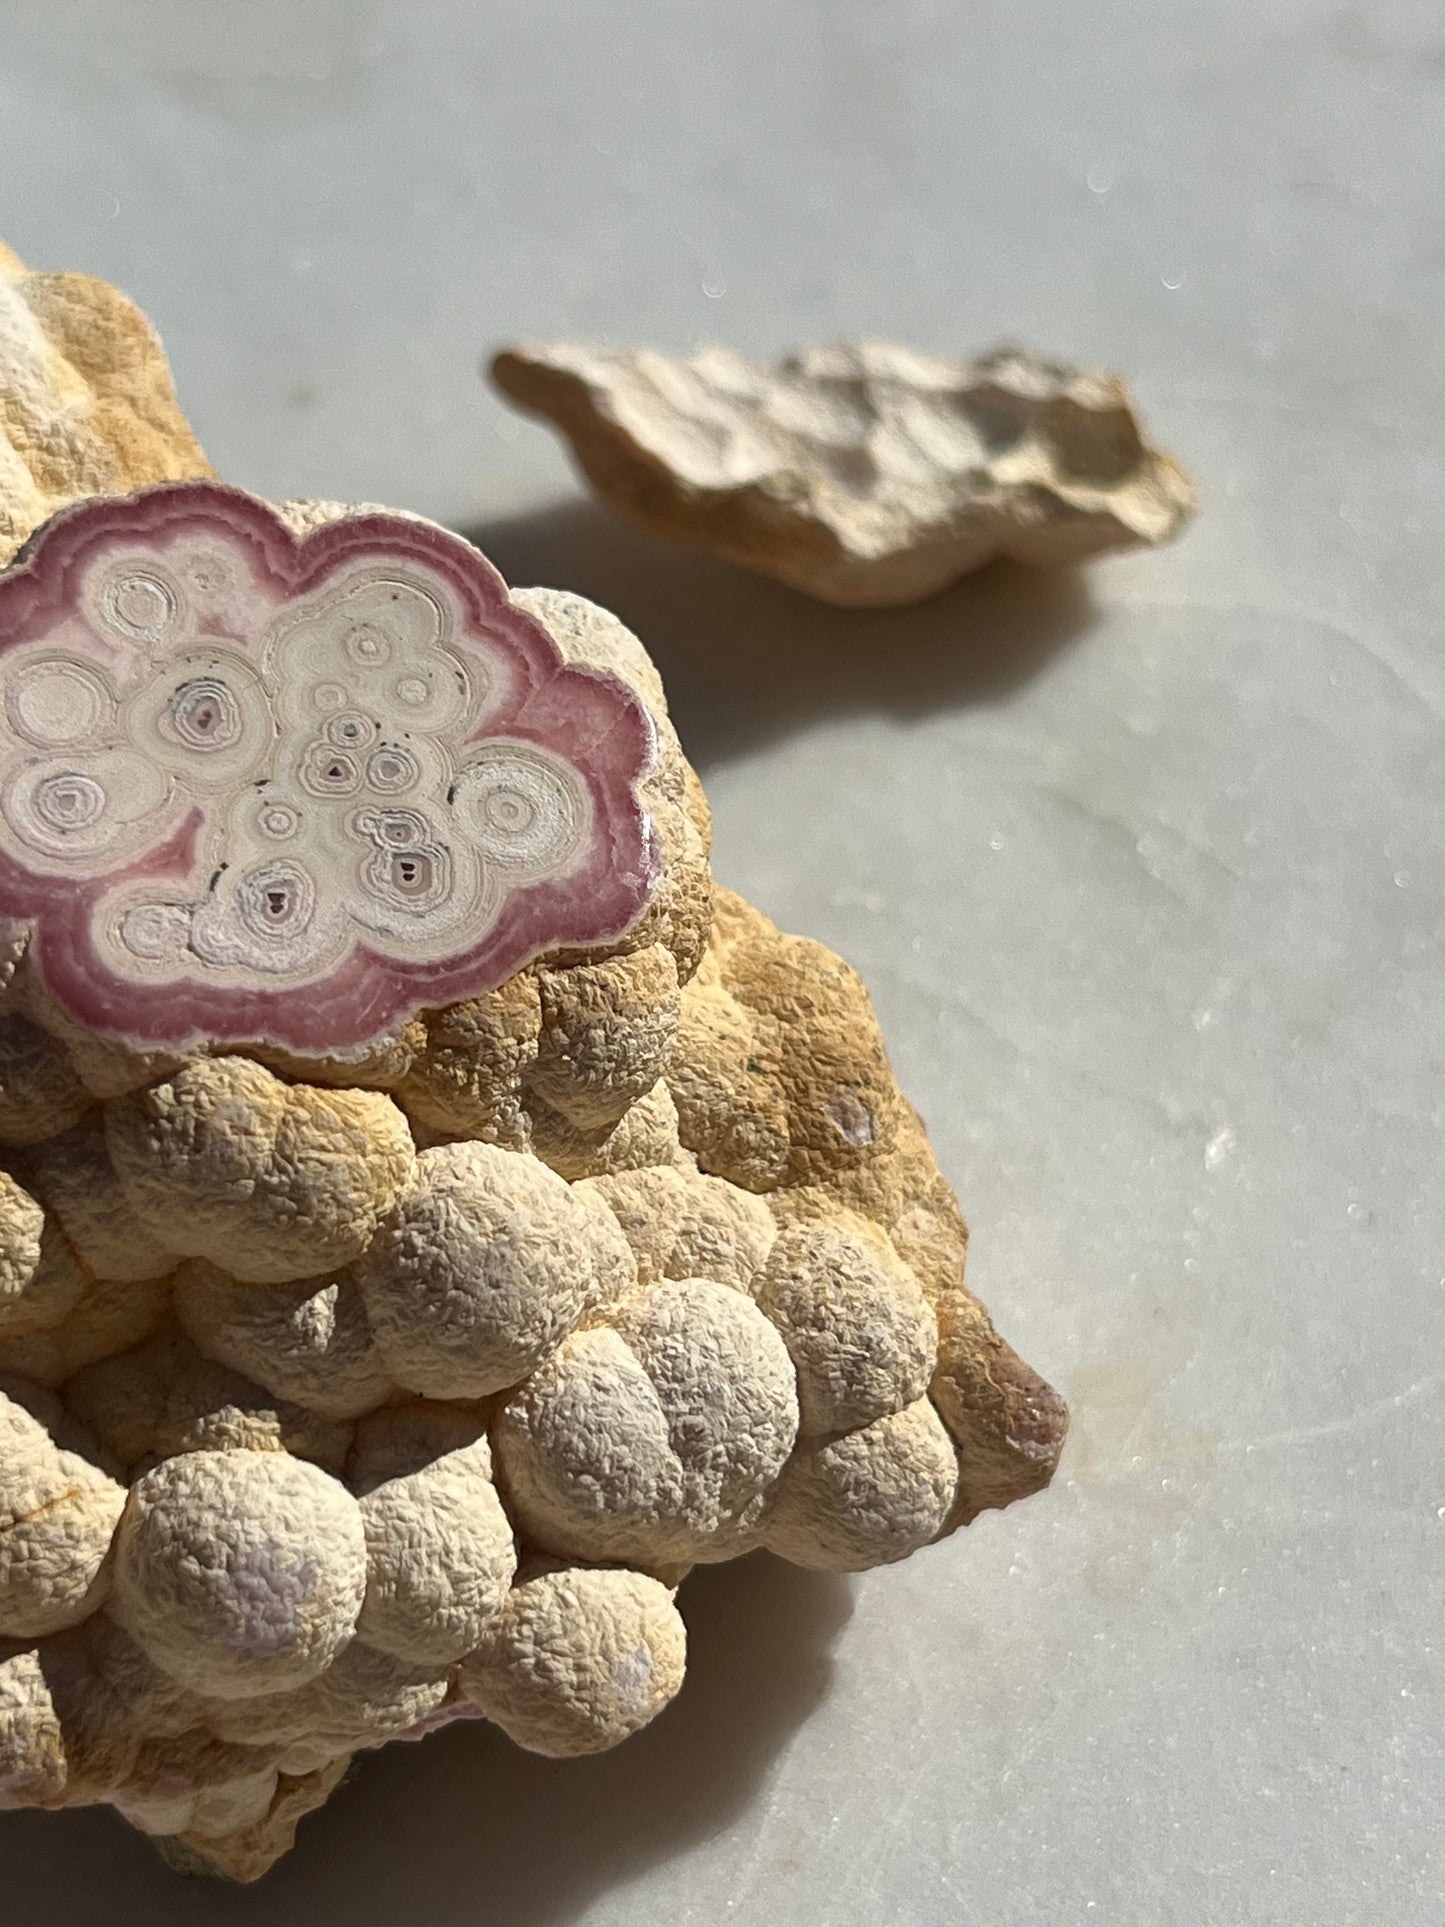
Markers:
(40, 1281)
(53, 1571)
(240, 1573)
(67, 1713)
(235, 1804)
(83, 1713)
(440, 1558)
(399, 1439)
(110, 1316)
(682, 1224)
(142, 1700)
(858, 1328)
(606, 1034)
(307, 1341)
(40, 1093)
(22, 1221)
(646, 1135)
(577, 1660)
(271, 1181)
(366, 1696)
(163, 1399)
(33, 1767)
(57, 1517)
(780, 1075)
(74, 1176)
(868, 1498)
(613, 1275)
(466, 1077)
(54, 1292)
(485, 1265)
(656, 1439)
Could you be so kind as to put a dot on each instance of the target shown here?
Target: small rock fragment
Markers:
(862, 473)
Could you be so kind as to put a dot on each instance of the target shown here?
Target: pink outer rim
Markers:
(588, 716)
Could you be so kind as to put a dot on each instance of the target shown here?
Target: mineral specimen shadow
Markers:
(466, 1821)
(746, 661)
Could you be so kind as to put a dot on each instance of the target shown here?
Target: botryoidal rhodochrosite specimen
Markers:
(433, 1216)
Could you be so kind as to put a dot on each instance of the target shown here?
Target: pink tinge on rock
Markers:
(445, 1715)
(256, 786)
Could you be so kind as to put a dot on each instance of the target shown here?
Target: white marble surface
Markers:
(1152, 912)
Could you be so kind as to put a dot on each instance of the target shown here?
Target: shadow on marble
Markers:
(746, 660)
(465, 1827)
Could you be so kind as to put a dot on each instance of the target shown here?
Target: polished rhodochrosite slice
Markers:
(262, 785)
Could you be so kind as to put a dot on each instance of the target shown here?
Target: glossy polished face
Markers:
(255, 786)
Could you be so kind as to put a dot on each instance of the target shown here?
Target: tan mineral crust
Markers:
(343, 1397)
(863, 473)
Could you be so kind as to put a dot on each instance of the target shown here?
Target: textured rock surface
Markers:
(338, 1401)
(862, 472)
(86, 401)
